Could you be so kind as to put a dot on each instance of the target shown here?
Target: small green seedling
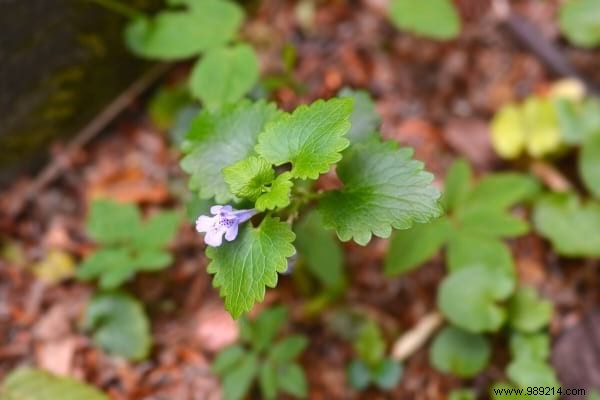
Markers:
(372, 367)
(127, 244)
(260, 357)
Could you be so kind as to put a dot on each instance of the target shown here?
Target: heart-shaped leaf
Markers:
(461, 353)
(469, 296)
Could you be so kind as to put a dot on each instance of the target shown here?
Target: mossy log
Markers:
(62, 61)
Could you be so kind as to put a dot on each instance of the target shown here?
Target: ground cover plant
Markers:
(345, 200)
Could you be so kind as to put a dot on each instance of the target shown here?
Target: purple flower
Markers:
(225, 222)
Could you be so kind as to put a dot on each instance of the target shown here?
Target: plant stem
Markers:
(120, 8)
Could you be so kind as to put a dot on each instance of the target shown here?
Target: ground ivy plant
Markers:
(259, 357)
(259, 165)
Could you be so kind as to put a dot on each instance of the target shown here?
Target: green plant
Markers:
(225, 72)
(128, 245)
(261, 358)
(371, 366)
(34, 384)
(253, 155)
(436, 19)
(478, 297)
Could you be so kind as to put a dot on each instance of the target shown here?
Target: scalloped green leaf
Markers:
(384, 188)
(311, 138)
(242, 268)
(35, 384)
(249, 178)
(277, 195)
(220, 139)
(469, 298)
(175, 35)
(461, 353)
(224, 75)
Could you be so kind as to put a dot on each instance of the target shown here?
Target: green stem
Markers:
(119, 8)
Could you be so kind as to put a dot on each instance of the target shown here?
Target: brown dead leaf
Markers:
(56, 356)
(471, 138)
(215, 328)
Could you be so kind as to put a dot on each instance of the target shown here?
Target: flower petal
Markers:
(231, 233)
(214, 237)
(215, 209)
(244, 215)
(204, 223)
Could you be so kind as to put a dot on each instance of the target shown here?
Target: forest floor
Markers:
(435, 97)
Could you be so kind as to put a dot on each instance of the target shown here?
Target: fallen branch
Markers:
(551, 176)
(411, 341)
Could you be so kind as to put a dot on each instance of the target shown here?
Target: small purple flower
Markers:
(225, 222)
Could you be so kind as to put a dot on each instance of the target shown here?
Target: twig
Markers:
(412, 340)
(551, 176)
(58, 164)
